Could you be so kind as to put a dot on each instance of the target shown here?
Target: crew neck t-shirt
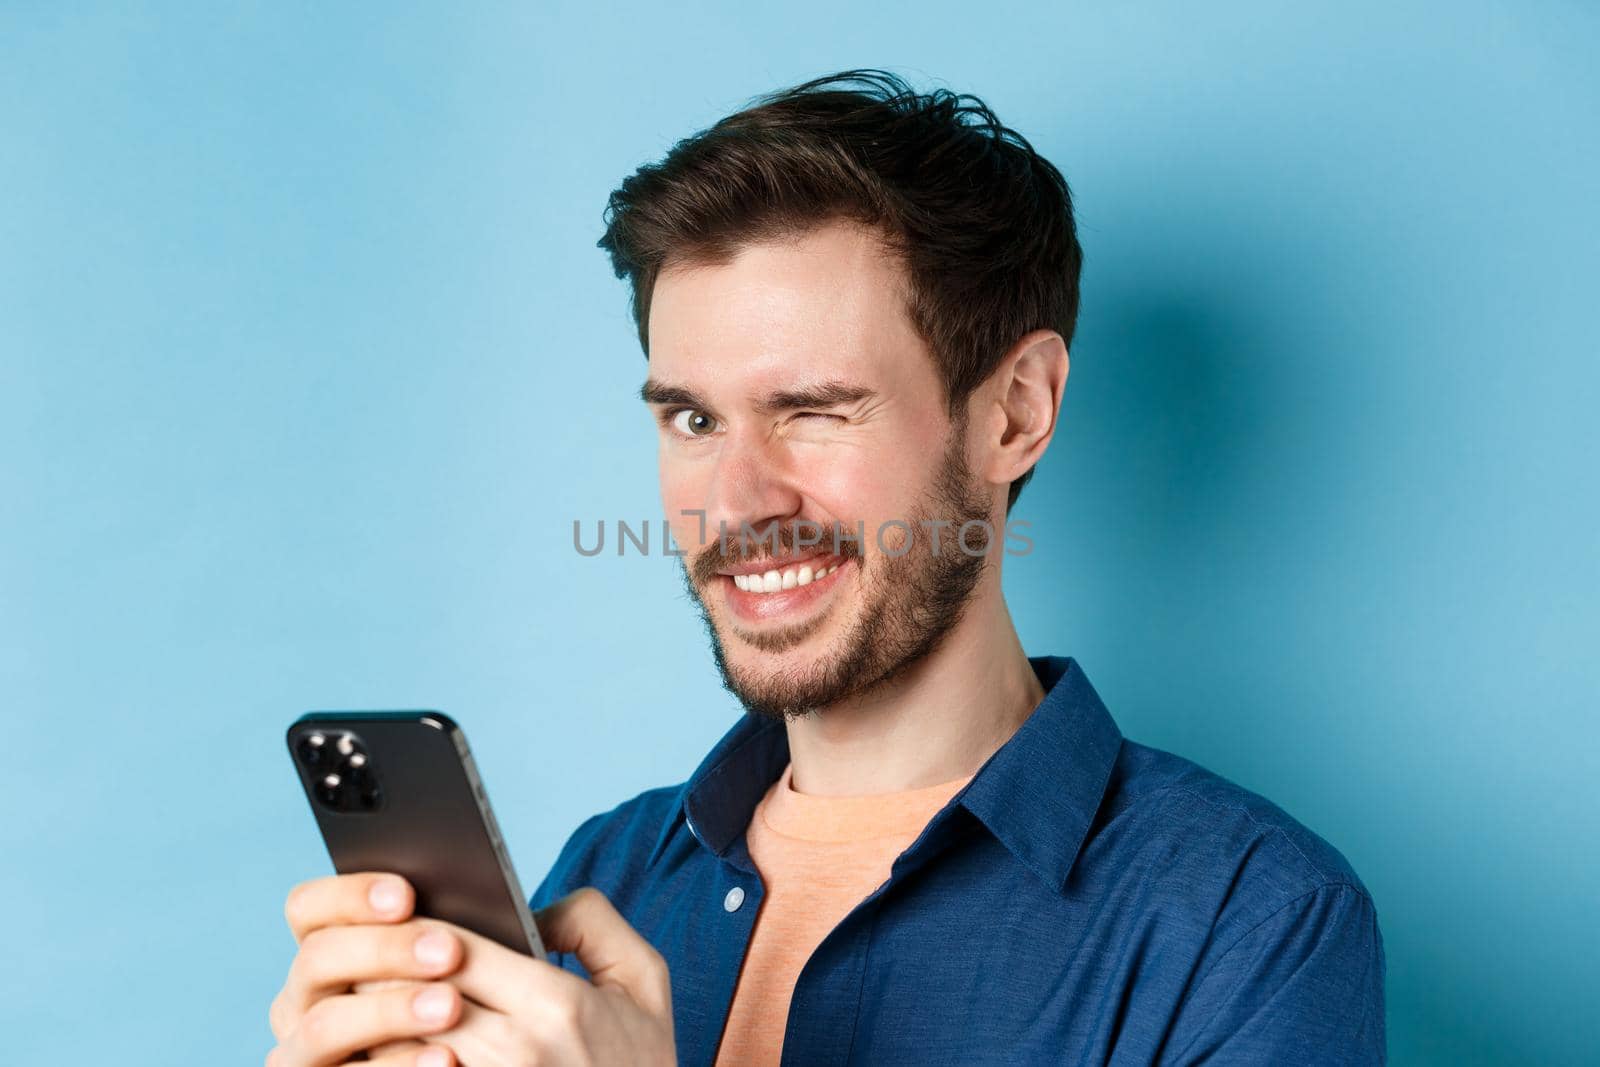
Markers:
(818, 856)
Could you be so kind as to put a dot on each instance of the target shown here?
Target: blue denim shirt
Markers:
(1083, 899)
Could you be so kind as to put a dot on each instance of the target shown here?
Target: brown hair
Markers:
(983, 222)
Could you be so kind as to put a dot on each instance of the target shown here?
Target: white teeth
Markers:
(773, 581)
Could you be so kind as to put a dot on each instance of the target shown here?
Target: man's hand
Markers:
(369, 976)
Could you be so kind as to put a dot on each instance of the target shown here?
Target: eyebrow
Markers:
(654, 392)
(822, 395)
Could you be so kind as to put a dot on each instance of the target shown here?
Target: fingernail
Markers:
(433, 1057)
(386, 896)
(432, 1005)
(433, 948)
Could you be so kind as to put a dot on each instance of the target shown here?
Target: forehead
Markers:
(827, 303)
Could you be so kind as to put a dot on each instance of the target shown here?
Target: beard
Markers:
(908, 604)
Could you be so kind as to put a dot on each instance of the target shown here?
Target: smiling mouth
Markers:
(795, 576)
(784, 593)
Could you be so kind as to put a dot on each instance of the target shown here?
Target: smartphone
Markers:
(398, 791)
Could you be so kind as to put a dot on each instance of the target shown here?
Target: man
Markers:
(918, 846)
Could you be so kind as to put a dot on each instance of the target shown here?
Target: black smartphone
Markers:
(398, 791)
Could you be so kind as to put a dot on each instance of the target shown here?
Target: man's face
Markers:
(794, 399)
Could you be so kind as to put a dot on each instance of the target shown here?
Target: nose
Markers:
(751, 488)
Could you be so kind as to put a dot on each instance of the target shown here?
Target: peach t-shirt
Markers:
(818, 857)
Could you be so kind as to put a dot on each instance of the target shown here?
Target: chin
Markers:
(782, 677)
(800, 660)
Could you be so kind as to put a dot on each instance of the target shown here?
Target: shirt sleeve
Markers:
(566, 875)
(1304, 986)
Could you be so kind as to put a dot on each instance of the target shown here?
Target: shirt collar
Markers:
(1038, 793)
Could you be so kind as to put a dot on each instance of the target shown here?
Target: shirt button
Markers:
(734, 898)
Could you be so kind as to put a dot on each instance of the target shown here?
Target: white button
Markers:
(734, 898)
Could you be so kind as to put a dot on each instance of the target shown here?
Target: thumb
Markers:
(586, 924)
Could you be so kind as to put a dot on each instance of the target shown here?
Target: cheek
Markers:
(681, 492)
(874, 484)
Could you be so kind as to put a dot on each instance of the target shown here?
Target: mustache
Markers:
(776, 543)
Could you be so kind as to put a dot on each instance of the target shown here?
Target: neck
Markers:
(937, 721)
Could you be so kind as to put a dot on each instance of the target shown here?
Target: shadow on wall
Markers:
(1254, 624)
(1205, 515)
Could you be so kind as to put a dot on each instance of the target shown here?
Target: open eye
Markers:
(692, 422)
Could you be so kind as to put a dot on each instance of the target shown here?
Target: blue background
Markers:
(310, 362)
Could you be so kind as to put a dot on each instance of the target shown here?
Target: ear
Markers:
(1023, 402)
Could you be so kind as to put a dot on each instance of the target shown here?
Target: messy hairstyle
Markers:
(982, 222)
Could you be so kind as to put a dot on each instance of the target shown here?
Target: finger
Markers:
(415, 1054)
(369, 897)
(337, 1027)
(391, 1047)
(483, 1035)
(510, 982)
(586, 924)
(335, 957)
(384, 983)
(288, 1007)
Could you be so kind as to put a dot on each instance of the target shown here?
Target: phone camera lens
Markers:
(313, 749)
(340, 773)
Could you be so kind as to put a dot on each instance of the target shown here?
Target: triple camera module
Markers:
(340, 770)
